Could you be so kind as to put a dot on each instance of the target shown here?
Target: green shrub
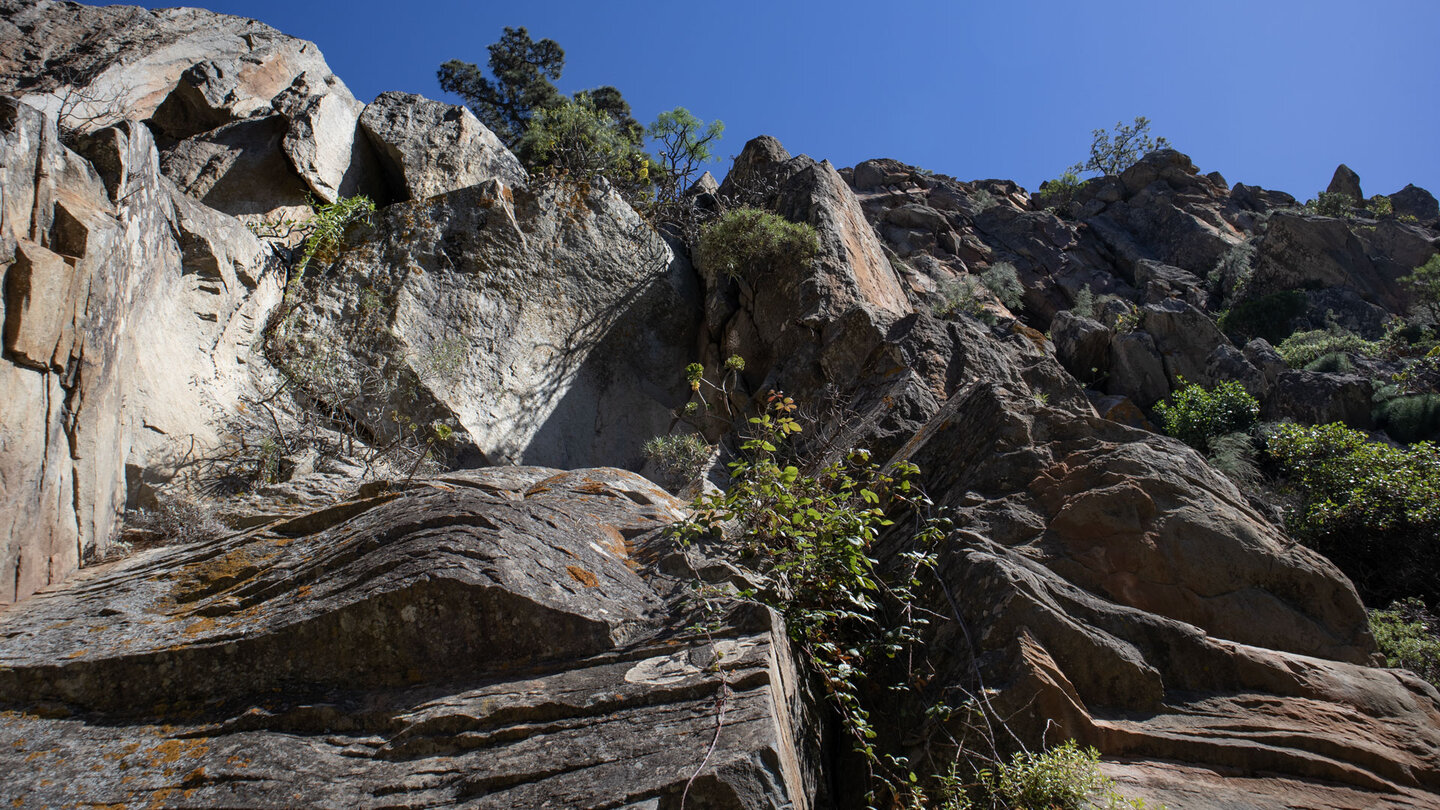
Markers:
(1331, 204)
(747, 241)
(1303, 348)
(1410, 419)
(1195, 414)
(577, 141)
(1066, 777)
(962, 295)
(1002, 279)
(1266, 317)
(679, 458)
(1084, 305)
(1408, 635)
(1380, 206)
(1234, 455)
(1371, 508)
(1232, 272)
(1060, 192)
(1332, 363)
(811, 534)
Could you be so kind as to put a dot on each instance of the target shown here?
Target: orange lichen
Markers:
(582, 576)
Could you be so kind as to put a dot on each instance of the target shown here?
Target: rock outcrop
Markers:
(486, 629)
(511, 637)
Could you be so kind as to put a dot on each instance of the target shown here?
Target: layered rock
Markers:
(513, 637)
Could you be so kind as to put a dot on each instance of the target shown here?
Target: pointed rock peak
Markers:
(758, 159)
(705, 185)
(1346, 182)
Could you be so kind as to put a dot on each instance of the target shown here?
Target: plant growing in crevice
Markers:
(812, 535)
(1196, 415)
(745, 242)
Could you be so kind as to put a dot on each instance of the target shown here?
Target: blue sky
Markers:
(1269, 92)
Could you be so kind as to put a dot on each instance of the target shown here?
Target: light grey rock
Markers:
(545, 334)
(129, 311)
(428, 147)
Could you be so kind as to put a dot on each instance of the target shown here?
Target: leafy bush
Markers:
(678, 457)
(1409, 419)
(1380, 206)
(962, 295)
(1084, 305)
(1232, 272)
(746, 241)
(1331, 204)
(1265, 317)
(682, 146)
(575, 140)
(1002, 280)
(1303, 348)
(1066, 777)
(1060, 192)
(1371, 508)
(1195, 414)
(811, 534)
(1408, 635)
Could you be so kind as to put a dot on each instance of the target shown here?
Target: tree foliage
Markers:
(523, 73)
(582, 143)
(1371, 508)
(682, 145)
(1424, 284)
(1114, 152)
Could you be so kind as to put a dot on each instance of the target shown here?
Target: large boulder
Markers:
(512, 637)
(1416, 202)
(1144, 607)
(429, 147)
(541, 332)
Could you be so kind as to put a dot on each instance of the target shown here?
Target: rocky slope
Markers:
(496, 635)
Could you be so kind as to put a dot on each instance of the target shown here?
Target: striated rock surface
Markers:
(129, 311)
(501, 638)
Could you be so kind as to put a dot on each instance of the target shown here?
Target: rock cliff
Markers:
(509, 620)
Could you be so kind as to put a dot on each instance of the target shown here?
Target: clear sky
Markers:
(1269, 92)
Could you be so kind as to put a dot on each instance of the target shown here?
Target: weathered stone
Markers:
(240, 169)
(1346, 181)
(503, 638)
(1082, 346)
(544, 334)
(872, 174)
(1186, 338)
(1313, 398)
(1416, 202)
(1079, 527)
(429, 147)
(1136, 369)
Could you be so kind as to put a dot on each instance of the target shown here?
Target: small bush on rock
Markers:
(746, 241)
(1303, 348)
(175, 520)
(1331, 204)
(1002, 279)
(680, 458)
(1409, 419)
(1408, 635)
(1195, 414)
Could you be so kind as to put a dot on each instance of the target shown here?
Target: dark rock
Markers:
(1346, 181)
(1416, 202)
(873, 174)
(1082, 346)
(1136, 369)
(503, 638)
(1313, 398)
(1185, 338)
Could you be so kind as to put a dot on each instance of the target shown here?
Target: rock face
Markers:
(1347, 182)
(544, 333)
(481, 634)
(510, 637)
(127, 311)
